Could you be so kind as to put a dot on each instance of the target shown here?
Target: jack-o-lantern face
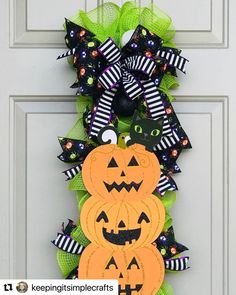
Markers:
(139, 271)
(122, 225)
(112, 173)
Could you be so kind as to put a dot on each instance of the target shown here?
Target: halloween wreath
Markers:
(124, 149)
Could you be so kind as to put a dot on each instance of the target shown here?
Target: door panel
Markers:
(45, 202)
(205, 24)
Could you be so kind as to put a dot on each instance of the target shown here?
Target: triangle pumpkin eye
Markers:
(112, 163)
(111, 262)
(102, 216)
(133, 262)
(133, 162)
(143, 217)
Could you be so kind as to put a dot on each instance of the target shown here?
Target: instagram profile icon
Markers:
(22, 287)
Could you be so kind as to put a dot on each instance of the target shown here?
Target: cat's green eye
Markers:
(138, 129)
(155, 132)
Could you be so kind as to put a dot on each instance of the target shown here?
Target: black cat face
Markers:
(145, 131)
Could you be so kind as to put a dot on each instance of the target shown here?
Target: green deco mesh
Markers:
(110, 20)
(67, 262)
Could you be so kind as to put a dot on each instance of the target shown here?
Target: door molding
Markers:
(21, 36)
(216, 108)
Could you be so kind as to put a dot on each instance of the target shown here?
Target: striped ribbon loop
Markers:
(67, 244)
(173, 59)
(111, 76)
(177, 264)
(102, 114)
(68, 53)
(141, 64)
(72, 172)
(166, 183)
(110, 51)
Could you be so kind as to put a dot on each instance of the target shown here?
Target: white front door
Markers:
(37, 105)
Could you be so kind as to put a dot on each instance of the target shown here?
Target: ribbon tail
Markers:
(68, 53)
(167, 142)
(72, 172)
(131, 85)
(155, 105)
(177, 264)
(110, 51)
(69, 227)
(73, 149)
(166, 183)
(173, 59)
(102, 115)
(67, 244)
(73, 275)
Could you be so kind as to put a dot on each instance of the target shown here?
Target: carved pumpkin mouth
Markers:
(122, 237)
(119, 187)
(128, 290)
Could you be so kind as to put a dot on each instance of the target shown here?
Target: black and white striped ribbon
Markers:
(68, 53)
(141, 64)
(67, 244)
(102, 115)
(131, 85)
(111, 76)
(72, 172)
(119, 70)
(116, 74)
(173, 59)
(110, 50)
(177, 264)
(167, 142)
(166, 184)
(155, 105)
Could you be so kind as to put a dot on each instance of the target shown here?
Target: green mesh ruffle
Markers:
(78, 235)
(67, 262)
(110, 20)
(165, 289)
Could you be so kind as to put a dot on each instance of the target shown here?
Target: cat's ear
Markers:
(160, 121)
(136, 116)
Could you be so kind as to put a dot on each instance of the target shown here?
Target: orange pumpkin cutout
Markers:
(140, 271)
(122, 225)
(113, 173)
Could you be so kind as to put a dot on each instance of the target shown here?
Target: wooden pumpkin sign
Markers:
(122, 218)
(139, 271)
(122, 224)
(113, 173)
